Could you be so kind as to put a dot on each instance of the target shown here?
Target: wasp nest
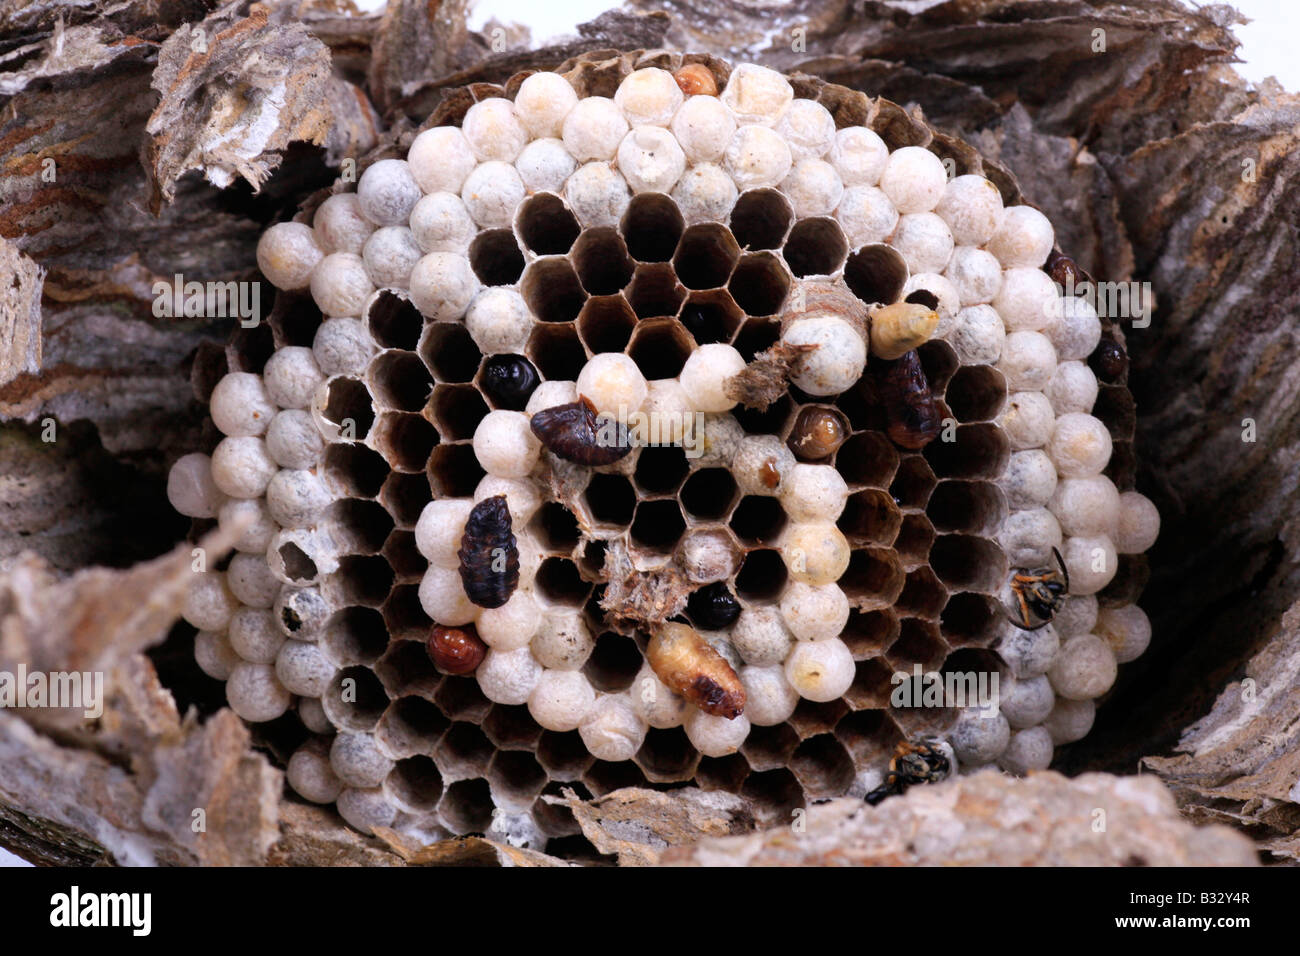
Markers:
(639, 427)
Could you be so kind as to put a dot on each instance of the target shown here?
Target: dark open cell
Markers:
(403, 556)
(767, 748)
(709, 493)
(970, 506)
(873, 574)
(405, 497)
(361, 708)
(360, 527)
(348, 405)
(495, 257)
(610, 499)
(722, 773)
(457, 410)
(403, 612)
(602, 262)
(711, 317)
(395, 323)
(613, 664)
(411, 722)
(298, 566)
(297, 324)
(965, 561)
(604, 777)
(658, 525)
(767, 421)
(976, 393)
(756, 335)
(922, 595)
(555, 527)
(979, 451)
(661, 468)
(759, 284)
(516, 774)
(655, 291)
(356, 635)
(968, 618)
(364, 579)
(454, 471)
(867, 633)
(876, 274)
(660, 348)
(758, 519)
(564, 755)
(546, 226)
(915, 537)
(816, 247)
(870, 517)
(251, 347)
(762, 576)
(461, 699)
(760, 219)
(410, 439)
(913, 482)
(667, 754)
(606, 323)
(706, 256)
(651, 227)
(450, 352)
(552, 290)
(918, 643)
(416, 783)
(508, 381)
(355, 469)
(557, 352)
(511, 727)
(467, 806)
(401, 381)
(823, 766)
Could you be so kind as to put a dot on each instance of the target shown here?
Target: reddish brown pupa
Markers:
(489, 559)
(575, 434)
(818, 433)
(696, 80)
(456, 650)
(686, 663)
(912, 416)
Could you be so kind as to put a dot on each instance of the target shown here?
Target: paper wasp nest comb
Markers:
(924, 420)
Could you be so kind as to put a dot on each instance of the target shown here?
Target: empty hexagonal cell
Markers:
(454, 471)
(603, 777)
(773, 420)
(815, 247)
(359, 527)
(651, 227)
(923, 595)
(755, 336)
(613, 664)
(393, 321)
(759, 283)
(602, 261)
(355, 700)
(761, 219)
(660, 469)
(762, 577)
(976, 393)
(552, 290)
(466, 807)
(768, 748)
(774, 796)
(709, 493)
(822, 766)
(873, 684)
(873, 579)
(354, 470)
(657, 525)
(399, 381)
(414, 784)
(403, 556)
(722, 773)
(974, 507)
(406, 671)
(711, 317)
(404, 497)
(969, 619)
(978, 451)
(557, 352)
(913, 482)
(449, 352)
(348, 407)
(555, 528)
(362, 579)
(457, 410)
(876, 274)
(939, 362)
(966, 562)
(667, 756)
(868, 735)
(496, 258)
(563, 755)
(556, 820)
(758, 520)
(516, 779)
(511, 727)
(355, 635)
(705, 256)
(606, 323)
(860, 406)
(871, 517)
(410, 725)
(463, 751)
(610, 500)
(915, 536)
(559, 583)
(660, 347)
(461, 699)
(406, 440)
(403, 614)
(868, 458)
(811, 717)
(545, 225)
(868, 633)
(655, 292)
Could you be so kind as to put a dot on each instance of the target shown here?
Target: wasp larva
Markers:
(686, 663)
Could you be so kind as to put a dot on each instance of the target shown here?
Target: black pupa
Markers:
(489, 559)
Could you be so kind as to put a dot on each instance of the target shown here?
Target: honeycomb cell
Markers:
(822, 766)
(557, 352)
(403, 613)
(559, 583)
(406, 671)
(762, 576)
(870, 459)
(923, 595)
(355, 700)
(406, 440)
(463, 751)
(414, 784)
(976, 393)
(918, 642)
(711, 317)
(971, 507)
(770, 748)
(758, 520)
(660, 347)
(496, 258)
(545, 225)
(449, 352)
(393, 321)
(652, 227)
(657, 526)
(868, 633)
(870, 517)
(660, 469)
(454, 471)
(654, 291)
(867, 735)
(348, 408)
(876, 274)
(872, 687)
(816, 247)
(761, 219)
(613, 664)
(722, 773)
(605, 323)
(460, 699)
(754, 336)
(939, 362)
(966, 562)
(913, 482)
(774, 796)
(555, 528)
(772, 420)
(363, 580)
(610, 500)
(667, 756)
(516, 779)
(969, 619)
(709, 493)
(355, 636)
(466, 807)
(404, 497)
(552, 289)
(915, 537)
(563, 755)
(556, 820)
(354, 470)
(705, 256)
(359, 527)
(399, 381)
(411, 725)
(759, 284)
(602, 261)
(873, 579)
(603, 777)
(456, 411)
(511, 727)
(978, 451)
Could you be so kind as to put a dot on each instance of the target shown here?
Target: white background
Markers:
(1267, 47)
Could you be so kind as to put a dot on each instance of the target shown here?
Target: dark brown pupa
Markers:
(489, 559)
(574, 433)
(913, 418)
